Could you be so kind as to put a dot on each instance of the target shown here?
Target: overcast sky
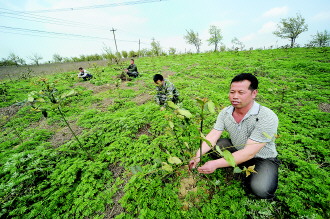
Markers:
(73, 28)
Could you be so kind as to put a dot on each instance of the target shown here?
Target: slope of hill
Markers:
(128, 159)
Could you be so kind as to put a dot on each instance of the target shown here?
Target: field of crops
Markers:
(128, 159)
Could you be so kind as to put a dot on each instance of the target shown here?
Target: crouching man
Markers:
(84, 74)
(166, 91)
(252, 129)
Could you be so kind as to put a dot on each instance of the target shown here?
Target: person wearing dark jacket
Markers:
(132, 70)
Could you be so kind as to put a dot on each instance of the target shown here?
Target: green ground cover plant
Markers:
(130, 159)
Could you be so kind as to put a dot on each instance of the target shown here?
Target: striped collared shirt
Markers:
(259, 124)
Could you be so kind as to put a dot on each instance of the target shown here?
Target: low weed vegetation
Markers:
(104, 149)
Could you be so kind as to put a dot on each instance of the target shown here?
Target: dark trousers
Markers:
(88, 77)
(133, 74)
(263, 184)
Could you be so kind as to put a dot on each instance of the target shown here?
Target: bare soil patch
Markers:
(143, 131)
(96, 89)
(167, 73)
(6, 113)
(64, 134)
(324, 107)
(192, 66)
(188, 185)
(103, 105)
(142, 98)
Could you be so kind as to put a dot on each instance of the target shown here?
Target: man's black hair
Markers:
(247, 76)
(158, 77)
(132, 60)
(80, 68)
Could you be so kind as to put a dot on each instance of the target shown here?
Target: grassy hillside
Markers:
(121, 163)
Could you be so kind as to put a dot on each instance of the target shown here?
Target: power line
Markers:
(33, 34)
(96, 6)
(52, 33)
(41, 33)
(50, 20)
(44, 19)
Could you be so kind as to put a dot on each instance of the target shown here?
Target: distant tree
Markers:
(93, 57)
(156, 50)
(172, 51)
(192, 38)
(13, 59)
(222, 47)
(57, 58)
(82, 58)
(215, 38)
(108, 56)
(237, 45)
(143, 52)
(75, 59)
(67, 59)
(321, 39)
(124, 54)
(132, 54)
(118, 55)
(6, 62)
(149, 53)
(291, 28)
(108, 53)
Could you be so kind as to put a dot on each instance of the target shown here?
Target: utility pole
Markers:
(139, 48)
(215, 41)
(113, 31)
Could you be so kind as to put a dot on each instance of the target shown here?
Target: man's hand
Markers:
(208, 167)
(193, 163)
(162, 108)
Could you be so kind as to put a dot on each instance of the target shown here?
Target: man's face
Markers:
(81, 70)
(159, 83)
(132, 62)
(240, 96)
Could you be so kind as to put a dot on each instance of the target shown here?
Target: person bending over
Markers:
(166, 91)
(84, 74)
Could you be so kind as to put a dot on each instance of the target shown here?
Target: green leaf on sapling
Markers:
(185, 113)
(167, 167)
(171, 124)
(229, 158)
(172, 105)
(174, 160)
(211, 106)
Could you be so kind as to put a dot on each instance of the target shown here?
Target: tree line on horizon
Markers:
(288, 28)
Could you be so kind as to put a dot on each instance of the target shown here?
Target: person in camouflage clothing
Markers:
(166, 90)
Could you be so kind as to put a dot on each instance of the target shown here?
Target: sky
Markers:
(72, 28)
